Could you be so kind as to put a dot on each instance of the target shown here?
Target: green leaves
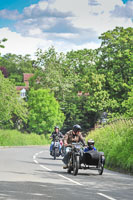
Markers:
(115, 140)
(16, 65)
(115, 62)
(12, 108)
(128, 104)
(1, 41)
(44, 111)
(85, 83)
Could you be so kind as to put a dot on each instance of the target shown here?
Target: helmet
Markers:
(56, 127)
(91, 143)
(76, 128)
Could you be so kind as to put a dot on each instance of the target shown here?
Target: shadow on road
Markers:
(40, 191)
(49, 158)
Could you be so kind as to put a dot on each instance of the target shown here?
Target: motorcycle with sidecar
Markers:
(78, 159)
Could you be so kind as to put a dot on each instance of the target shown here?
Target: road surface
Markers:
(28, 173)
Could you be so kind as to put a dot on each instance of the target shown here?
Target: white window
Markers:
(23, 93)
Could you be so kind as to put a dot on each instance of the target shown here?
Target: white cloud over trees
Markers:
(65, 23)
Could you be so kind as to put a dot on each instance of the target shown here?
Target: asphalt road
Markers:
(31, 173)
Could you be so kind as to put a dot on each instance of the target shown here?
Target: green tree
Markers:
(12, 108)
(44, 111)
(128, 105)
(93, 98)
(53, 73)
(115, 62)
(16, 65)
(66, 76)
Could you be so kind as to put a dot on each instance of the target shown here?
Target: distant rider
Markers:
(71, 136)
(55, 134)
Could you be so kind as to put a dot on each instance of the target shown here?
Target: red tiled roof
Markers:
(21, 87)
(81, 94)
(27, 76)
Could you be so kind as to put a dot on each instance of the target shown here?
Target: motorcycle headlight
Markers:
(68, 149)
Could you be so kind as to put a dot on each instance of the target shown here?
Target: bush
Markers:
(16, 138)
(116, 141)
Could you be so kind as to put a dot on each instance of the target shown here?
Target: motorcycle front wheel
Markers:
(54, 154)
(69, 170)
(75, 165)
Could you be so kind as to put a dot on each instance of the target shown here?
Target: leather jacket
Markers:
(56, 135)
(69, 138)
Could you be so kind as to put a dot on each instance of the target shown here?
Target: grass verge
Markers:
(116, 141)
(16, 138)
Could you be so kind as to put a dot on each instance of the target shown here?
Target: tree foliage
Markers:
(4, 71)
(16, 65)
(102, 76)
(12, 108)
(1, 41)
(128, 104)
(44, 111)
(53, 73)
(93, 98)
(115, 62)
(86, 82)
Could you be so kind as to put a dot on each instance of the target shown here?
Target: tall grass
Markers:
(16, 138)
(116, 141)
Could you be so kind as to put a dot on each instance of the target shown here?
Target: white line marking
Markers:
(110, 198)
(69, 179)
(45, 168)
(36, 161)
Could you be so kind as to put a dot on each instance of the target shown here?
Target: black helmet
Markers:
(56, 127)
(91, 143)
(76, 128)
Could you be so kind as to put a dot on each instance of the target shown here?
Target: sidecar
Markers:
(93, 160)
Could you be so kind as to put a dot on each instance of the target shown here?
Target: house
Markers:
(23, 89)
(80, 93)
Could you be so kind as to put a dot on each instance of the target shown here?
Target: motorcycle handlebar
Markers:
(73, 144)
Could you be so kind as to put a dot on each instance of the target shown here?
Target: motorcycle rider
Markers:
(90, 146)
(55, 134)
(71, 136)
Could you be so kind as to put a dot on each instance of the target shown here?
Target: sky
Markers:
(65, 24)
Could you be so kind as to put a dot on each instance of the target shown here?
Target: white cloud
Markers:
(7, 14)
(93, 14)
(66, 35)
(43, 5)
(19, 45)
(34, 31)
(123, 11)
(65, 24)
(64, 47)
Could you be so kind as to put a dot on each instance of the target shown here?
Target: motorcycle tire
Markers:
(69, 170)
(100, 167)
(54, 154)
(75, 165)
